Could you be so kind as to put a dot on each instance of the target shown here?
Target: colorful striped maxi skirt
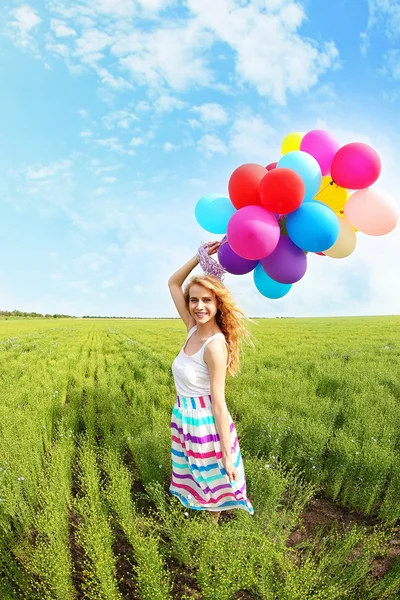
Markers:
(198, 478)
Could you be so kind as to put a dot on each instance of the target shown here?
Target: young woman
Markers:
(207, 467)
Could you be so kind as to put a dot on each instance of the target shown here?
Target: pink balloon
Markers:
(322, 146)
(356, 166)
(372, 211)
(253, 232)
(271, 166)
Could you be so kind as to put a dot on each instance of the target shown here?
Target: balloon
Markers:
(232, 262)
(287, 263)
(356, 166)
(331, 194)
(320, 253)
(322, 146)
(313, 226)
(267, 286)
(271, 166)
(253, 232)
(346, 242)
(281, 191)
(373, 211)
(213, 212)
(292, 142)
(244, 185)
(306, 166)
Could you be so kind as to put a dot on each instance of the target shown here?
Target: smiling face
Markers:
(203, 303)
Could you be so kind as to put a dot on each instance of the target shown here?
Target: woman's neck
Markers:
(207, 330)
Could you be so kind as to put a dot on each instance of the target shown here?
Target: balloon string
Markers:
(325, 188)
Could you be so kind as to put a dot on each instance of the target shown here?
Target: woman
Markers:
(207, 467)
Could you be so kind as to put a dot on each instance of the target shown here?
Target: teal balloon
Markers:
(269, 287)
(313, 226)
(306, 166)
(213, 212)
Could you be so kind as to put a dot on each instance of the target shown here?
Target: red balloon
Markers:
(244, 185)
(271, 166)
(282, 191)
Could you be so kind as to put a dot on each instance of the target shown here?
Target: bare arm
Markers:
(215, 356)
(176, 281)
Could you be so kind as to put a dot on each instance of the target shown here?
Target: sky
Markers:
(116, 116)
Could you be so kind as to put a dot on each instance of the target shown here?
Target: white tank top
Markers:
(190, 373)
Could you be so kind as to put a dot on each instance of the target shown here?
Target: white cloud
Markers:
(25, 21)
(392, 62)
(270, 55)
(99, 169)
(212, 113)
(137, 141)
(211, 144)
(91, 43)
(170, 55)
(61, 29)
(384, 15)
(122, 119)
(173, 51)
(251, 136)
(168, 147)
(167, 103)
(114, 145)
(40, 172)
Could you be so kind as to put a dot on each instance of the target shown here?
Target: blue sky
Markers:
(116, 116)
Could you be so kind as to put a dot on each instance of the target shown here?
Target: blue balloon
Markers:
(306, 166)
(313, 226)
(213, 212)
(269, 287)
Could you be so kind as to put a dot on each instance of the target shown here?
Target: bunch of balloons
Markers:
(275, 215)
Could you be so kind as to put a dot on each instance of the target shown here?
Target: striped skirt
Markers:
(198, 478)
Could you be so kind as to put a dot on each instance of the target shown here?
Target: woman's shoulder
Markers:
(215, 347)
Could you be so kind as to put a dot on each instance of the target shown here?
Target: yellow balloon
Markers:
(346, 242)
(292, 142)
(331, 194)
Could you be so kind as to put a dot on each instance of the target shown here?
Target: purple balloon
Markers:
(232, 262)
(287, 263)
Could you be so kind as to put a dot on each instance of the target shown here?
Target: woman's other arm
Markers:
(215, 355)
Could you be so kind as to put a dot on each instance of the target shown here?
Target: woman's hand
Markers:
(230, 469)
(212, 247)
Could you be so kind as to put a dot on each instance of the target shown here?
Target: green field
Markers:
(85, 464)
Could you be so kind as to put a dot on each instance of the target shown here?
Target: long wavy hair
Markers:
(230, 319)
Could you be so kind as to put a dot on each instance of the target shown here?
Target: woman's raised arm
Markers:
(175, 283)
